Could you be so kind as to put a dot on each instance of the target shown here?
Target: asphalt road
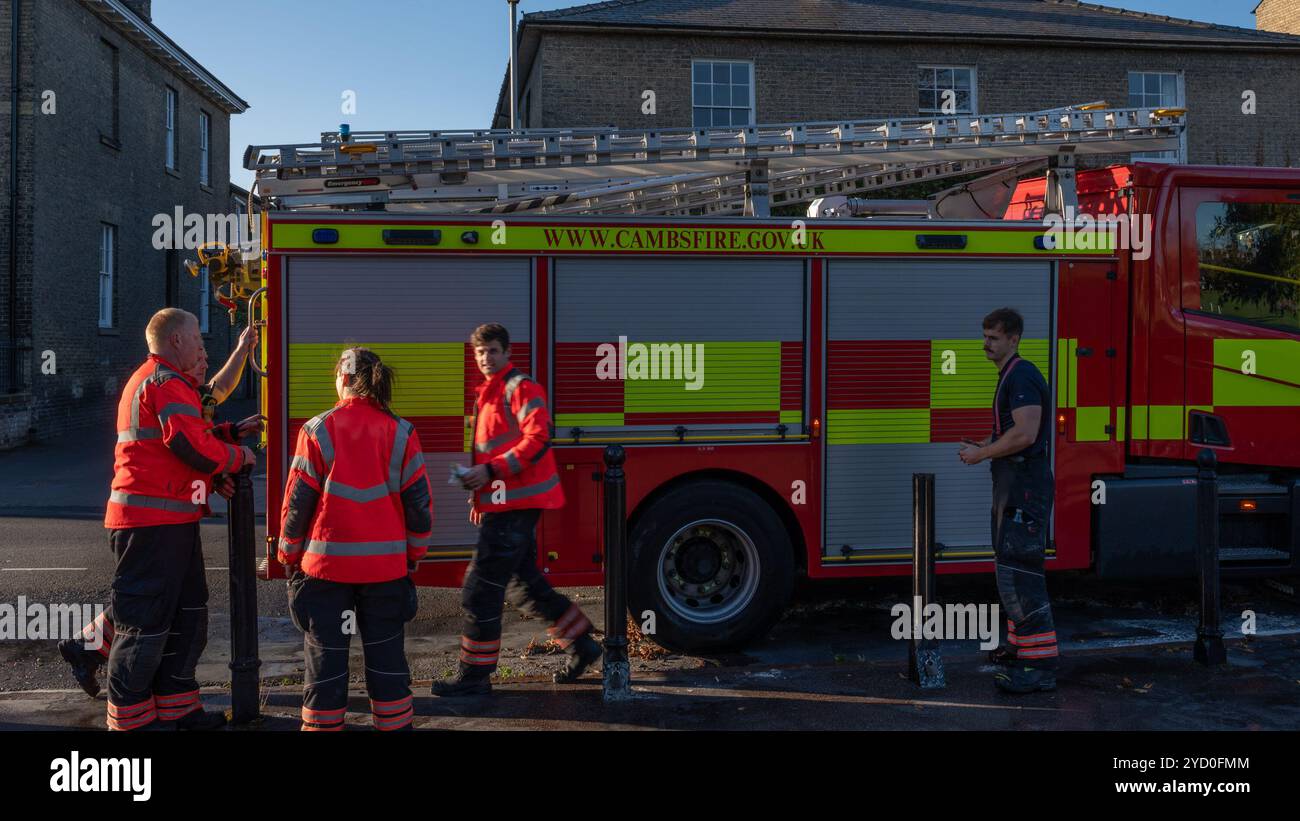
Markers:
(828, 625)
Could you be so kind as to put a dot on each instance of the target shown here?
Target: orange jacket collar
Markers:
(158, 358)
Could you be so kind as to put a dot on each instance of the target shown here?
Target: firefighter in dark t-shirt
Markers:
(1023, 491)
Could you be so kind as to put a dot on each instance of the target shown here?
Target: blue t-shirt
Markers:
(1021, 385)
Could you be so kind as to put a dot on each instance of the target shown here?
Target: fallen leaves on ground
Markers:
(640, 646)
(543, 648)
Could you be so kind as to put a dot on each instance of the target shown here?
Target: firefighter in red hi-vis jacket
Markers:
(356, 518)
(165, 460)
(89, 651)
(514, 480)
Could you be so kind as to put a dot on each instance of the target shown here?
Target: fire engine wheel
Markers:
(714, 564)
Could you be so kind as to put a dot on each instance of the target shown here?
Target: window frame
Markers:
(107, 274)
(1180, 101)
(1192, 294)
(205, 148)
(937, 110)
(751, 107)
(205, 301)
(172, 106)
(114, 137)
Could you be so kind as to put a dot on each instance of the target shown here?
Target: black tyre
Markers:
(714, 563)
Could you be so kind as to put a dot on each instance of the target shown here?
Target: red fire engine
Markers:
(777, 380)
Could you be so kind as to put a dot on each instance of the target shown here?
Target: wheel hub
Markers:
(708, 571)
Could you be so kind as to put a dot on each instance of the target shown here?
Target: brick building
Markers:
(719, 62)
(114, 124)
(1278, 15)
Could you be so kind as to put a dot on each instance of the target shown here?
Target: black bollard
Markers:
(616, 671)
(924, 660)
(1209, 649)
(244, 663)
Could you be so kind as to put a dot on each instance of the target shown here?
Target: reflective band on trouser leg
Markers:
(1011, 633)
(1038, 646)
(322, 720)
(177, 705)
(572, 625)
(99, 630)
(479, 653)
(392, 715)
(131, 716)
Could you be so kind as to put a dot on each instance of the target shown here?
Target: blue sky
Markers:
(431, 64)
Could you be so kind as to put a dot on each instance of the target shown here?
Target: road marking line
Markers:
(39, 569)
(726, 692)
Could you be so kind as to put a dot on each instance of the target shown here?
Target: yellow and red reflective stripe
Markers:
(1037, 638)
(392, 715)
(1037, 652)
(322, 720)
(131, 716)
(177, 705)
(570, 626)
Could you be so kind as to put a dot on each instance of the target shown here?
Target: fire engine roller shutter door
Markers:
(747, 314)
(417, 314)
(894, 409)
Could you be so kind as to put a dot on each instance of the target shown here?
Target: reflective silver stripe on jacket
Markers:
(356, 548)
(419, 541)
(177, 409)
(315, 428)
(135, 433)
(400, 436)
(496, 442)
(233, 461)
(155, 502)
(290, 549)
(511, 387)
(512, 462)
(533, 404)
(138, 434)
(303, 464)
(532, 490)
(412, 468)
(512, 424)
(333, 487)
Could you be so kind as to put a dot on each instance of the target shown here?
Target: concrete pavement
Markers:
(1116, 689)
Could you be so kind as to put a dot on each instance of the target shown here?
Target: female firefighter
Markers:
(356, 517)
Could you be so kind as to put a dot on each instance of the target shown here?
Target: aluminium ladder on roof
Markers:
(675, 171)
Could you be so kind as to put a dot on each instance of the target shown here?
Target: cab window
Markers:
(1249, 259)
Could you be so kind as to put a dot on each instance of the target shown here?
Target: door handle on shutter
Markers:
(1083, 352)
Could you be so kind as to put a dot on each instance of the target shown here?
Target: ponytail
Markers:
(367, 375)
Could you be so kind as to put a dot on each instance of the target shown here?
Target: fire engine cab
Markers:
(779, 353)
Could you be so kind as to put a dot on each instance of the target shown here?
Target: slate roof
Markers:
(1051, 19)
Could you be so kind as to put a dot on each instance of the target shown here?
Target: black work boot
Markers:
(83, 669)
(200, 720)
(582, 653)
(464, 683)
(1003, 656)
(1021, 679)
